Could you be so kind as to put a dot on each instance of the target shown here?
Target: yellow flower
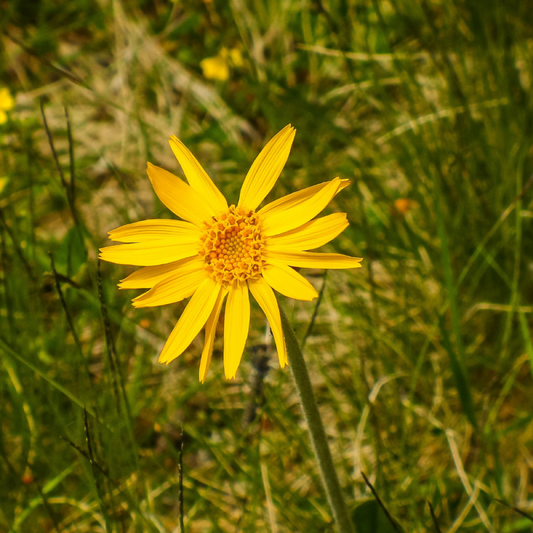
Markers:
(220, 250)
(217, 68)
(6, 103)
(236, 57)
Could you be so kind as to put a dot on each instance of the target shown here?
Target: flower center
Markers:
(232, 246)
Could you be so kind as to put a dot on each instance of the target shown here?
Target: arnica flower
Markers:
(6, 103)
(217, 68)
(220, 250)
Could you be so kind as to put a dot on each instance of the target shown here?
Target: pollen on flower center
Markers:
(232, 246)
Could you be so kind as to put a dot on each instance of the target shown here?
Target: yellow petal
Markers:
(191, 321)
(236, 57)
(150, 276)
(149, 230)
(306, 208)
(148, 253)
(3, 116)
(310, 235)
(314, 260)
(236, 325)
(6, 100)
(197, 177)
(210, 329)
(266, 169)
(174, 288)
(288, 282)
(290, 200)
(215, 68)
(179, 197)
(265, 297)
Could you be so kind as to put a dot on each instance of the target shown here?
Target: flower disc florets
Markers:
(232, 246)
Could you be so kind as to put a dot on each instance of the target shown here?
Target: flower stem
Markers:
(316, 429)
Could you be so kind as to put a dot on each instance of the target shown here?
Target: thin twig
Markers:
(378, 499)
(93, 467)
(516, 509)
(67, 314)
(71, 159)
(435, 523)
(315, 310)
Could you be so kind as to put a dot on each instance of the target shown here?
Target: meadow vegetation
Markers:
(422, 361)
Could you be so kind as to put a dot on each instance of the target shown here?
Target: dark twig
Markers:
(86, 455)
(94, 468)
(61, 70)
(435, 523)
(115, 484)
(53, 148)
(113, 361)
(516, 509)
(315, 310)
(66, 186)
(378, 499)
(71, 158)
(16, 245)
(110, 344)
(67, 314)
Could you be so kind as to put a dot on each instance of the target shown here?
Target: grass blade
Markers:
(8, 351)
(461, 382)
(458, 364)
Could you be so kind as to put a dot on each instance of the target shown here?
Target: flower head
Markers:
(220, 250)
(6, 103)
(218, 67)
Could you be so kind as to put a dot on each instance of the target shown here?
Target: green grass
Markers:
(422, 361)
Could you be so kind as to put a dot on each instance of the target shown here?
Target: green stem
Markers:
(316, 430)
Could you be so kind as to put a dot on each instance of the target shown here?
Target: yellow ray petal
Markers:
(148, 277)
(265, 297)
(191, 321)
(310, 235)
(288, 282)
(314, 260)
(148, 253)
(175, 288)
(236, 325)
(148, 230)
(300, 213)
(266, 169)
(197, 177)
(179, 197)
(290, 200)
(210, 329)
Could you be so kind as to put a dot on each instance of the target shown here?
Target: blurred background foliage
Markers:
(422, 361)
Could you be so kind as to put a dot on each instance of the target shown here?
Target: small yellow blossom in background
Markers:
(224, 250)
(3, 182)
(236, 57)
(217, 68)
(6, 103)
